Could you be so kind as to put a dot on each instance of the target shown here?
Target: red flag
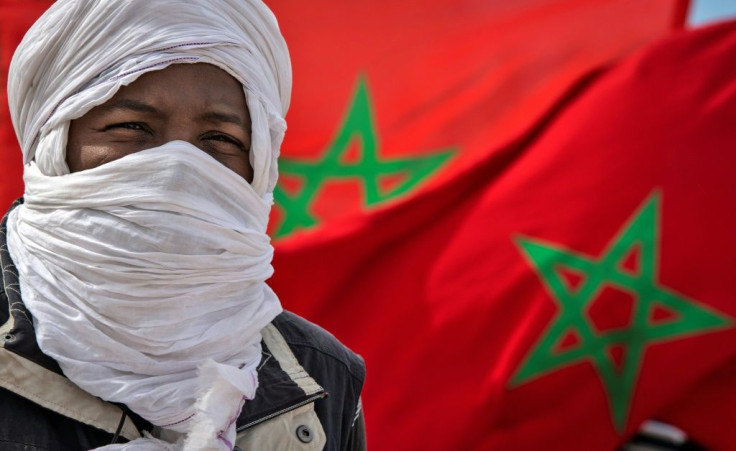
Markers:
(391, 97)
(563, 289)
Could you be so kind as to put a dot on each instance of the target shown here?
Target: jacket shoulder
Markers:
(337, 369)
(305, 337)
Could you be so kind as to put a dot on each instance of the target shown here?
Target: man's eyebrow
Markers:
(129, 104)
(218, 116)
(142, 107)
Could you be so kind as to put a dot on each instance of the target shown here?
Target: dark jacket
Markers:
(308, 395)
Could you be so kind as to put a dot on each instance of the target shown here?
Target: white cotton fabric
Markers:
(139, 271)
(146, 276)
(80, 52)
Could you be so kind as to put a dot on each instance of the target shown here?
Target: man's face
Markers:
(198, 103)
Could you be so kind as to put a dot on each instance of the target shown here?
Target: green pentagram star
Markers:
(369, 168)
(641, 233)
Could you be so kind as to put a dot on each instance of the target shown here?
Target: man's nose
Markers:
(180, 131)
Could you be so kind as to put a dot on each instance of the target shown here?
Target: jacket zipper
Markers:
(282, 411)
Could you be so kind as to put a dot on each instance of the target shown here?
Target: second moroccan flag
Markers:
(393, 97)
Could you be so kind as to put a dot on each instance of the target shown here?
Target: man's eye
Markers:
(126, 126)
(224, 138)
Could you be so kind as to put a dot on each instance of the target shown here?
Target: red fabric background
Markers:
(443, 305)
(15, 18)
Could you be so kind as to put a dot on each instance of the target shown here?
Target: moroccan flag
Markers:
(394, 100)
(392, 97)
(565, 287)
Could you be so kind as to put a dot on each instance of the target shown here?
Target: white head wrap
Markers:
(146, 275)
(80, 52)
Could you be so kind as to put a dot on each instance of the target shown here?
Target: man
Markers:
(135, 267)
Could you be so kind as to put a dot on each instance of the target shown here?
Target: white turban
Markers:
(146, 275)
(80, 52)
